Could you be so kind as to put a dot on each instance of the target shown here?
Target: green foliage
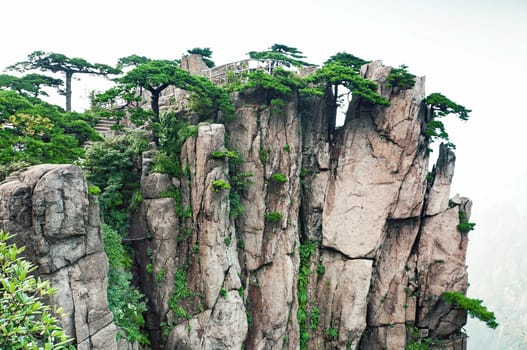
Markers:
(124, 300)
(94, 190)
(442, 106)
(315, 315)
(280, 82)
(415, 345)
(205, 53)
(464, 226)
(401, 78)
(30, 85)
(223, 154)
(263, 155)
(26, 322)
(35, 132)
(281, 54)
(219, 185)
(111, 166)
(332, 333)
(181, 292)
(278, 106)
(474, 307)
(223, 292)
(321, 269)
(279, 178)
(155, 76)
(56, 62)
(287, 147)
(333, 74)
(135, 202)
(273, 216)
(347, 60)
(307, 250)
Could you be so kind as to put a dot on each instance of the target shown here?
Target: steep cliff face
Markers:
(345, 242)
(49, 211)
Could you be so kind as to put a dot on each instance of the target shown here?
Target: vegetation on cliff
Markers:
(26, 320)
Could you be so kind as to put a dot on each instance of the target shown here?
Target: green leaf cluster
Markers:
(26, 322)
(126, 303)
(307, 250)
(442, 106)
(219, 185)
(401, 78)
(35, 132)
(273, 216)
(279, 178)
(334, 74)
(111, 166)
(205, 53)
(474, 307)
(464, 226)
(281, 54)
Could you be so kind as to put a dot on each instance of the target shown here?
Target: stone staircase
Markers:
(103, 127)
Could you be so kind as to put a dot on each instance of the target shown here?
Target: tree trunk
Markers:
(69, 75)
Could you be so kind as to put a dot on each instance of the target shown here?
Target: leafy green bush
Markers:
(36, 132)
(218, 185)
(26, 322)
(401, 78)
(474, 307)
(94, 190)
(273, 216)
(111, 166)
(332, 333)
(124, 300)
(464, 226)
(307, 250)
(279, 178)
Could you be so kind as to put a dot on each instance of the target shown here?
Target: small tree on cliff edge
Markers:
(25, 321)
(56, 62)
(340, 76)
(205, 53)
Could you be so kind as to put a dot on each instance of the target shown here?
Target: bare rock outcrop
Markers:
(49, 211)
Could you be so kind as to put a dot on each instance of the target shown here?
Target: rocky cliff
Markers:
(49, 211)
(303, 237)
(346, 240)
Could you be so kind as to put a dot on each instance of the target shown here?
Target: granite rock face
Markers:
(49, 211)
(350, 250)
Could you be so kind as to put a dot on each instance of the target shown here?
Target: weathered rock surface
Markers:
(374, 243)
(48, 209)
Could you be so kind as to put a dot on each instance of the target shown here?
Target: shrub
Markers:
(464, 226)
(273, 216)
(279, 178)
(401, 78)
(474, 307)
(94, 190)
(218, 185)
(124, 300)
(26, 322)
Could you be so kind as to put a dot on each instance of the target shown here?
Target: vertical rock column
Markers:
(268, 138)
(48, 209)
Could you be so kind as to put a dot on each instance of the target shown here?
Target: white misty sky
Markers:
(473, 51)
